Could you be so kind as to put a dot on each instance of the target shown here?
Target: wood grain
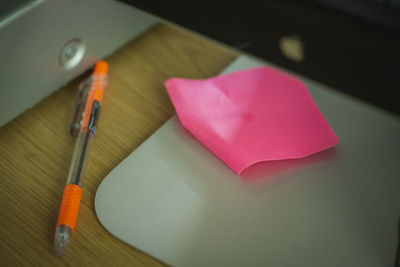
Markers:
(36, 149)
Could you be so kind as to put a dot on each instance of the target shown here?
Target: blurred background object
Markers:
(352, 46)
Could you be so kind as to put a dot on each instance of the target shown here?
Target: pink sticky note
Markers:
(250, 116)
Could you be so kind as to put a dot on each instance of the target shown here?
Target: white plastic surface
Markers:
(176, 201)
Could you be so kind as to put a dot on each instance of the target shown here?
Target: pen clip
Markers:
(80, 103)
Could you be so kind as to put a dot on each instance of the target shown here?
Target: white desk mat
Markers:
(176, 201)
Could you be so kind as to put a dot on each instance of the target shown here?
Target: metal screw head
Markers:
(72, 53)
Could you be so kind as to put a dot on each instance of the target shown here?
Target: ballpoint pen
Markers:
(89, 101)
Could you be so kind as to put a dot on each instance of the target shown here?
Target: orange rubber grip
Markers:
(69, 207)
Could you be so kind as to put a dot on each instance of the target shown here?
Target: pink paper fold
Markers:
(249, 116)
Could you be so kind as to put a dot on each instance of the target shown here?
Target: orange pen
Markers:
(88, 104)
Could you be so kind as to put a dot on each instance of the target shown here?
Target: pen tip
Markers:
(61, 240)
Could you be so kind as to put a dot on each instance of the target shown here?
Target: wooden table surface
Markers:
(36, 149)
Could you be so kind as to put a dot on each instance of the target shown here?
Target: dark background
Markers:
(352, 46)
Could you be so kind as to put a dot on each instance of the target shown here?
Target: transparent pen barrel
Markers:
(80, 158)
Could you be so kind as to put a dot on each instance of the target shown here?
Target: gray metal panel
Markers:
(175, 200)
(31, 42)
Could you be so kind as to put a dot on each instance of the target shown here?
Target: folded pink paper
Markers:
(249, 116)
